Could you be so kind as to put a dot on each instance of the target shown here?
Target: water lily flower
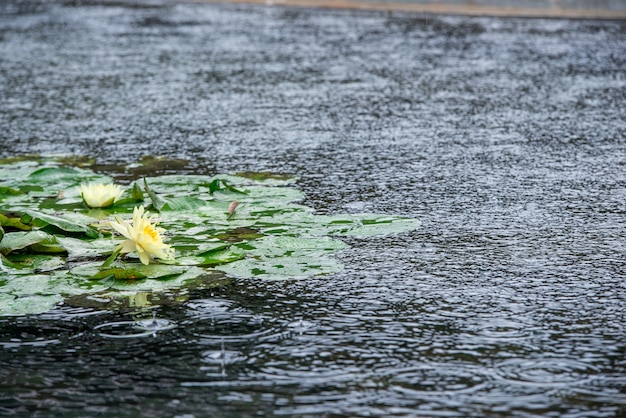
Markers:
(143, 236)
(96, 195)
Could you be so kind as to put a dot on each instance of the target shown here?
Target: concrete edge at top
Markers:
(545, 9)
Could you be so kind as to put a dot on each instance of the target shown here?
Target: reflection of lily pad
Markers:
(269, 236)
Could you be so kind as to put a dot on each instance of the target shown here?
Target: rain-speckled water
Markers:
(506, 137)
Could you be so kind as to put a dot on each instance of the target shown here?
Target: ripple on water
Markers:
(37, 333)
(134, 329)
(217, 320)
(544, 372)
(437, 378)
(217, 361)
(511, 330)
(222, 357)
(301, 326)
(200, 308)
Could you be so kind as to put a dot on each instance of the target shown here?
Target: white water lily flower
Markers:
(96, 195)
(142, 236)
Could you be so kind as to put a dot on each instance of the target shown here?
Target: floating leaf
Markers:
(13, 222)
(280, 246)
(82, 248)
(129, 271)
(282, 268)
(55, 173)
(42, 220)
(183, 203)
(48, 247)
(268, 235)
(11, 305)
(14, 241)
(223, 256)
(9, 191)
(28, 295)
(239, 234)
(119, 274)
(29, 263)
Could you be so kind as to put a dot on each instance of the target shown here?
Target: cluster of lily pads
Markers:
(70, 234)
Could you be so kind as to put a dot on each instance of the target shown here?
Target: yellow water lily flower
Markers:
(142, 236)
(97, 195)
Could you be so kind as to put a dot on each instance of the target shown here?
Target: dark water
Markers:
(506, 137)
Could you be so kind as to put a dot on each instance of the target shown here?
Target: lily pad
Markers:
(14, 241)
(27, 304)
(43, 220)
(282, 268)
(82, 248)
(70, 252)
(29, 263)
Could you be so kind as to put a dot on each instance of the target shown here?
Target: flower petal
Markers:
(128, 246)
(144, 258)
(143, 236)
(122, 227)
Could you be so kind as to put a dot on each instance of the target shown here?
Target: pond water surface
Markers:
(506, 137)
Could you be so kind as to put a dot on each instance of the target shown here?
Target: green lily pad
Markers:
(42, 220)
(10, 191)
(366, 224)
(28, 263)
(70, 252)
(11, 305)
(182, 203)
(82, 248)
(282, 268)
(14, 241)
